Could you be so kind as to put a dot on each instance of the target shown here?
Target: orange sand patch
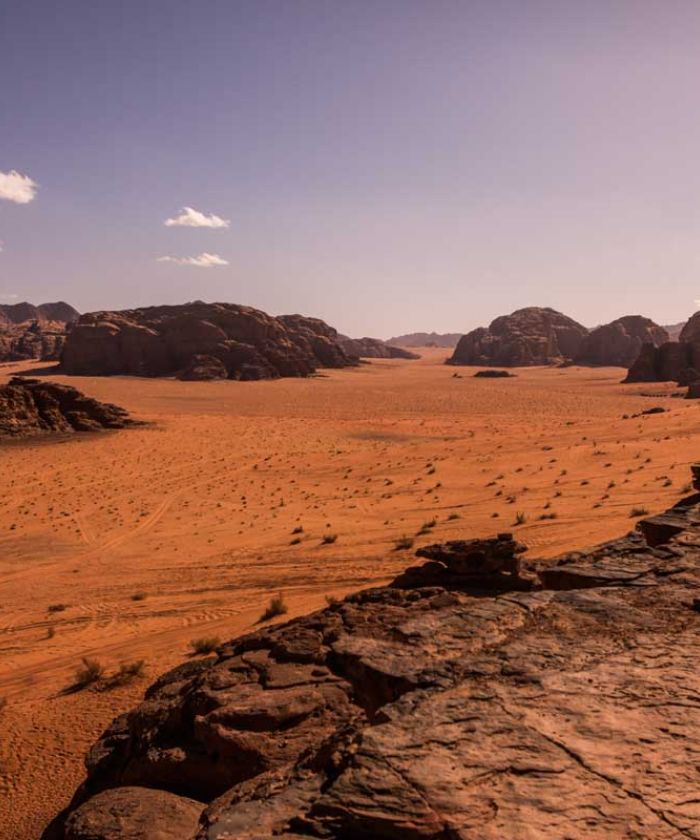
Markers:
(194, 513)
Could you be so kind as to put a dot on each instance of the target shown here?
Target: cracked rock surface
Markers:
(462, 710)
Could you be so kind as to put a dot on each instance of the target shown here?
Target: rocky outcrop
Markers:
(34, 340)
(424, 339)
(373, 348)
(163, 340)
(33, 407)
(672, 361)
(478, 696)
(531, 336)
(34, 332)
(619, 342)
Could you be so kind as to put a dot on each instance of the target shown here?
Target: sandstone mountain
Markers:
(531, 336)
(478, 696)
(619, 342)
(32, 407)
(373, 348)
(34, 332)
(424, 339)
(32, 340)
(163, 340)
(19, 313)
(672, 361)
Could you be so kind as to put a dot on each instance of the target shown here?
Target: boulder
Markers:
(32, 407)
(133, 813)
(163, 340)
(531, 336)
(619, 342)
(422, 710)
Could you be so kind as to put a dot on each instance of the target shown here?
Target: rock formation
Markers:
(33, 340)
(619, 342)
(34, 332)
(373, 348)
(20, 313)
(33, 407)
(478, 696)
(531, 336)
(672, 361)
(424, 339)
(163, 340)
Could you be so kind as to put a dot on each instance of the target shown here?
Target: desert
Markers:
(128, 545)
(349, 420)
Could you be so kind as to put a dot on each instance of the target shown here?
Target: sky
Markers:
(386, 165)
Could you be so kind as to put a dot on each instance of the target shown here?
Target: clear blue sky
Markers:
(387, 165)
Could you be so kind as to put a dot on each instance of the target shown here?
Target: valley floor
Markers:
(128, 545)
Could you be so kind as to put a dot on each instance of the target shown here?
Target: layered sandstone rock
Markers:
(373, 348)
(33, 407)
(482, 697)
(34, 332)
(34, 340)
(163, 340)
(619, 342)
(672, 361)
(531, 336)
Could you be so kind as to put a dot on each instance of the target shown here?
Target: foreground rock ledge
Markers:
(479, 696)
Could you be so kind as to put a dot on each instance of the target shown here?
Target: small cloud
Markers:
(204, 260)
(8, 296)
(189, 217)
(697, 303)
(17, 187)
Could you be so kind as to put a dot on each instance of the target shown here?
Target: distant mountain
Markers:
(674, 330)
(423, 339)
(20, 313)
(373, 348)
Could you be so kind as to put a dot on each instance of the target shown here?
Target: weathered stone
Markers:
(531, 336)
(32, 406)
(163, 340)
(566, 711)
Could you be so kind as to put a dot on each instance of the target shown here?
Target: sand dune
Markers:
(127, 545)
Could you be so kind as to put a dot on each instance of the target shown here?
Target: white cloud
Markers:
(8, 296)
(17, 187)
(697, 303)
(204, 260)
(189, 217)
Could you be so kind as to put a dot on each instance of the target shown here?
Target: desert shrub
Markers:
(452, 517)
(520, 518)
(403, 543)
(298, 530)
(90, 672)
(638, 511)
(139, 596)
(54, 608)
(207, 644)
(275, 608)
(329, 539)
(295, 541)
(128, 672)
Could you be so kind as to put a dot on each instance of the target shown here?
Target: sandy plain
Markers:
(128, 545)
